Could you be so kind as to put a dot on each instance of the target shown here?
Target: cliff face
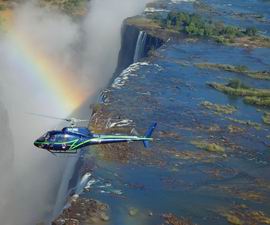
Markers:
(135, 45)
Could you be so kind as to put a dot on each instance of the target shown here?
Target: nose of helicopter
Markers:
(38, 142)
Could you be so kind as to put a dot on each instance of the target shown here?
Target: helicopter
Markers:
(71, 138)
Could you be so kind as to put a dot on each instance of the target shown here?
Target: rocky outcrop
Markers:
(84, 211)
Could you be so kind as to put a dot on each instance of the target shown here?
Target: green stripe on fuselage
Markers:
(75, 145)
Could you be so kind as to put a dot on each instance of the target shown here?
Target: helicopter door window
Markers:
(66, 137)
(53, 138)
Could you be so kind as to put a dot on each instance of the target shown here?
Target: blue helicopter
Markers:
(70, 139)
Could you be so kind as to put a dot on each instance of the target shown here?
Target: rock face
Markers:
(136, 43)
(84, 211)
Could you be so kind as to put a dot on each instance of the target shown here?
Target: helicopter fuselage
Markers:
(70, 139)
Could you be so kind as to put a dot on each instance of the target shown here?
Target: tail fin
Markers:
(148, 134)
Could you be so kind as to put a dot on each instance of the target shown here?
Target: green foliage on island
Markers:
(266, 118)
(70, 5)
(259, 101)
(234, 129)
(245, 122)
(262, 75)
(219, 109)
(254, 96)
(195, 26)
(237, 88)
(210, 147)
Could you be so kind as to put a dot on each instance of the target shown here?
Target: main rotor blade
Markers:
(77, 120)
(82, 120)
(59, 118)
(50, 117)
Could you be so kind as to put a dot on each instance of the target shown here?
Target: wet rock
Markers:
(133, 211)
(104, 217)
(84, 211)
(241, 214)
(171, 219)
(233, 219)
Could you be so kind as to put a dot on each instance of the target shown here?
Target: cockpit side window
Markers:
(53, 138)
(46, 136)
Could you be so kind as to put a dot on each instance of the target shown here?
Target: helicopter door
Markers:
(52, 141)
(65, 140)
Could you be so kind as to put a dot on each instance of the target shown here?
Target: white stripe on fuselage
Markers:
(107, 138)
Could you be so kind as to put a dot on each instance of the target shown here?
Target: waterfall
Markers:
(63, 190)
(139, 50)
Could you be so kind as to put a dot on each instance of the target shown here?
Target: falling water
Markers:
(139, 50)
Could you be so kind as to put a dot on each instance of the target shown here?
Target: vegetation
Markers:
(214, 128)
(2, 7)
(263, 75)
(4, 4)
(266, 118)
(234, 129)
(245, 122)
(253, 96)
(237, 88)
(174, 220)
(68, 6)
(210, 147)
(233, 219)
(195, 26)
(259, 101)
(226, 109)
(240, 214)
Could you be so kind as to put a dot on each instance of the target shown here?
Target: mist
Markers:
(88, 49)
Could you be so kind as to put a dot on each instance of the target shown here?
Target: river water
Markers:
(175, 176)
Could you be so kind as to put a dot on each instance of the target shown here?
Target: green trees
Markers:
(251, 31)
(194, 25)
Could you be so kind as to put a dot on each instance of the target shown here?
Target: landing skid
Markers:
(55, 153)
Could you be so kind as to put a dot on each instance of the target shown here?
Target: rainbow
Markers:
(39, 69)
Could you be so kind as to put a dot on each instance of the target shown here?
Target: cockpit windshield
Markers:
(46, 136)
